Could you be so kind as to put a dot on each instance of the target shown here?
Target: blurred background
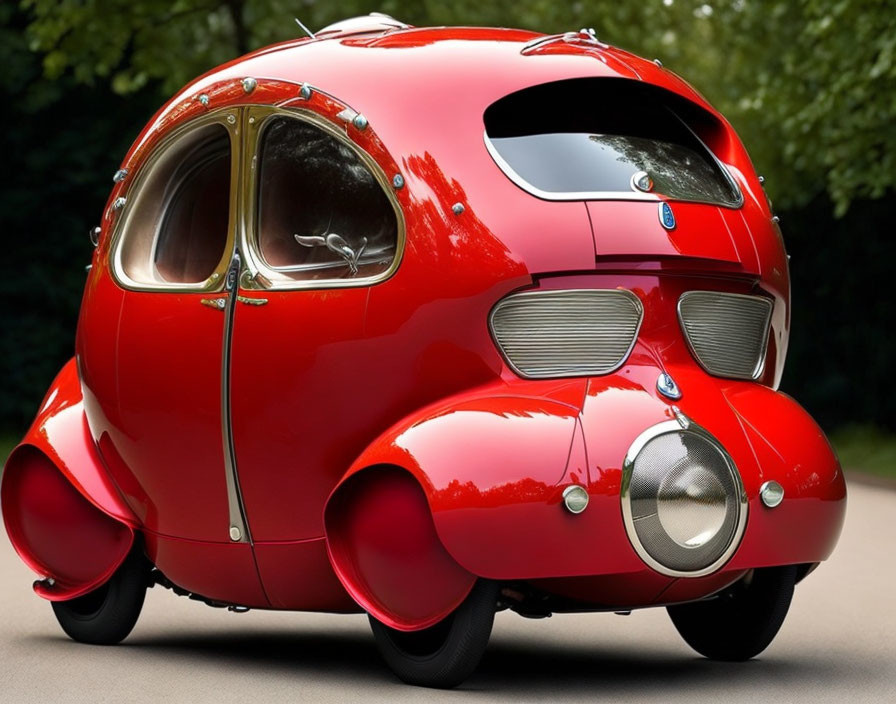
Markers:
(809, 84)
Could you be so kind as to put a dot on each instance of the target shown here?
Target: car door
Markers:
(322, 225)
(174, 248)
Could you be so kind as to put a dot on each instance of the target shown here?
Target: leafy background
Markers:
(810, 86)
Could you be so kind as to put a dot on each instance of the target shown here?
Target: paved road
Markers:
(838, 643)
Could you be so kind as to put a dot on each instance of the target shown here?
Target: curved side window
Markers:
(175, 228)
(321, 212)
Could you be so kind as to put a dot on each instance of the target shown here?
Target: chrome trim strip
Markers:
(549, 292)
(760, 366)
(239, 527)
(663, 428)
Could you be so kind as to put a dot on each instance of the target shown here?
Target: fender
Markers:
(498, 447)
(63, 514)
(492, 465)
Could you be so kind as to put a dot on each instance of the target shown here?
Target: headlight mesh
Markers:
(683, 503)
(546, 334)
(727, 332)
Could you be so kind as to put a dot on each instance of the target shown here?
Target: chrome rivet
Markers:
(360, 122)
(251, 120)
(119, 202)
(50, 581)
(120, 176)
(231, 119)
(305, 91)
(658, 62)
(771, 493)
(575, 498)
(249, 84)
(203, 98)
(235, 533)
(762, 179)
(458, 208)
(95, 235)
(666, 385)
(398, 180)
(776, 219)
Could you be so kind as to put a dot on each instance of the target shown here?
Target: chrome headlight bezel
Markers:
(682, 425)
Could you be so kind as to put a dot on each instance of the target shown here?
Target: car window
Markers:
(599, 138)
(175, 227)
(321, 213)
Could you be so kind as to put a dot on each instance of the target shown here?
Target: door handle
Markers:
(216, 303)
(252, 301)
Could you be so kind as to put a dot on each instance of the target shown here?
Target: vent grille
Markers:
(548, 334)
(727, 332)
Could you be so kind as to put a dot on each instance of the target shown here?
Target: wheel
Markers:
(743, 620)
(445, 654)
(106, 615)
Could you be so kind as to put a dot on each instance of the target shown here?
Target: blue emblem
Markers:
(667, 218)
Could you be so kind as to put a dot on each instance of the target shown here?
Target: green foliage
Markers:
(866, 449)
(810, 85)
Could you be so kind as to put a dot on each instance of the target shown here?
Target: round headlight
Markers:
(682, 500)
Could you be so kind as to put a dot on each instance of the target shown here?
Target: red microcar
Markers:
(431, 323)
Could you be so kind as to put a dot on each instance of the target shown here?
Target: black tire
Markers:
(107, 615)
(743, 620)
(445, 654)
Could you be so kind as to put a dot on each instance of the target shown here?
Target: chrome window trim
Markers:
(522, 183)
(628, 465)
(760, 365)
(144, 172)
(260, 275)
(554, 292)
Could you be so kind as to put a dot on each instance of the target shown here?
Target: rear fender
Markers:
(62, 513)
(403, 525)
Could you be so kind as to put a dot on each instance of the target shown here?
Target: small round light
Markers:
(641, 181)
(771, 493)
(575, 498)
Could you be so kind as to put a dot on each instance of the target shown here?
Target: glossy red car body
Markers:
(386, 454)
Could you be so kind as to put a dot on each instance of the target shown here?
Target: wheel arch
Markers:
(383, 546)
(454, 471)
(64, 516)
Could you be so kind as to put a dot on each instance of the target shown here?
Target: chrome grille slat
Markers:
(727, 332)
(545, 334)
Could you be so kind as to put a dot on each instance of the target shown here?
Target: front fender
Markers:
(403, 528)
(62, 513)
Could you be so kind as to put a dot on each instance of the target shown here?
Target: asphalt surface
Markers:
(838, 644)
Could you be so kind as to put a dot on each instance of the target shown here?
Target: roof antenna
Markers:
(304, 28)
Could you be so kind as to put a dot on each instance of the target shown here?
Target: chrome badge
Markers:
(667, 217)
(666, 385)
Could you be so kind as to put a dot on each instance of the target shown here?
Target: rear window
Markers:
(597, 138)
